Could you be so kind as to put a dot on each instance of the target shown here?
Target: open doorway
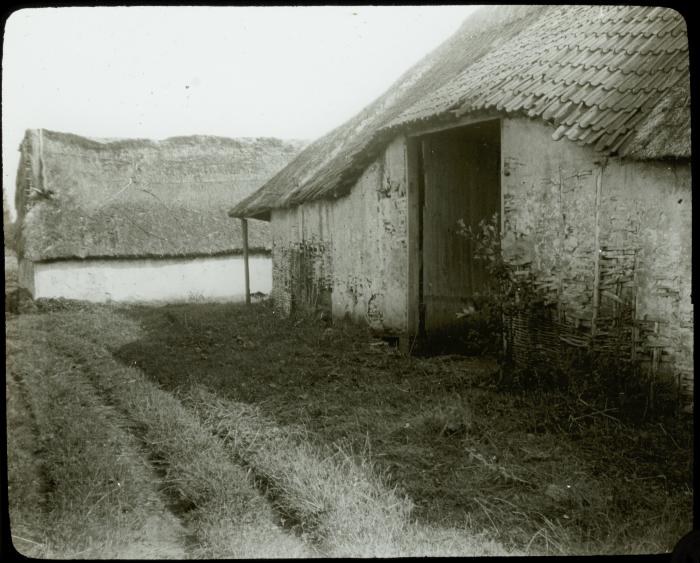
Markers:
(457, 176)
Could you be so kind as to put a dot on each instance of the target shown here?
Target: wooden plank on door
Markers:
(462, 181)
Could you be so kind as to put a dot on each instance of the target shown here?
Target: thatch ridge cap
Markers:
(136, 142)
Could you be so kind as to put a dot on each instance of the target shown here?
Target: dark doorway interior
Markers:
(459, 178)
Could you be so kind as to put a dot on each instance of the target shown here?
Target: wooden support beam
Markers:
(413, 147)
(458, 121)
(421, 225)
(596, 253)
(244, 230)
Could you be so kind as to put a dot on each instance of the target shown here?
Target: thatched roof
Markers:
(79, 197)
(600, 75)
(665, 131)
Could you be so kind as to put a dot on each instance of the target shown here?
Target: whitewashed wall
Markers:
(147, 280)
(357, 243)
(549, 194)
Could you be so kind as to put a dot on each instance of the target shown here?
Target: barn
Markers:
(139, 220)
(568, 124)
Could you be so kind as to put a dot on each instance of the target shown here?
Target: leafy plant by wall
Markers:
(309, 280)
(540, 347)
(511, 289)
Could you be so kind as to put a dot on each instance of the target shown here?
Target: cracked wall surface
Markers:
(354, 249)
(644, 237)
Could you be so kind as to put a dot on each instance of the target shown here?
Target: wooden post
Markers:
(596, 254)
(244, 230)
(421, 225)
(413, 252)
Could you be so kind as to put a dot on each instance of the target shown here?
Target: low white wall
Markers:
(214, 278)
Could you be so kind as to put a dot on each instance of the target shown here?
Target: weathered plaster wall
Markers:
(143, 280)
(649, 207)
(354, 248)
(548, 190)
(644, 221)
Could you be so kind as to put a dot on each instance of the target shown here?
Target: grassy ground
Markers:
(140, 452)
(544, 473)
(335, 502)
(95, 495)
(357, 449)
(340, 501)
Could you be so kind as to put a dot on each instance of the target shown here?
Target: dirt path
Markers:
(165, 534)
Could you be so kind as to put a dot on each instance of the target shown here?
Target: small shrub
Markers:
(510, 288)
(513, 291)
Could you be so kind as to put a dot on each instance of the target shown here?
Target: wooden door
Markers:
(461, 180)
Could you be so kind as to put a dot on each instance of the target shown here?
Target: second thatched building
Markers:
(141, 220)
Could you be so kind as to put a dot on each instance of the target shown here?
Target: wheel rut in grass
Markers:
(29, 484)
(284, 516)
(162, 424)
(165, 533)
(16, 396)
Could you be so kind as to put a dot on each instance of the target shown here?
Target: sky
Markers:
(158, 72)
